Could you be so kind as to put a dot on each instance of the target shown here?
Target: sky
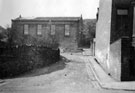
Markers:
(11, 9)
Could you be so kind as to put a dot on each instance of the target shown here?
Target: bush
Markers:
(16, 60)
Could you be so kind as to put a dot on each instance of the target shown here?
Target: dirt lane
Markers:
(67, 76)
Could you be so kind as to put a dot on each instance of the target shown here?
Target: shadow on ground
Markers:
(60, 65)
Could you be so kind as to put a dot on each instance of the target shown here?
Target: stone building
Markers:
(47, 31)
(115, 38)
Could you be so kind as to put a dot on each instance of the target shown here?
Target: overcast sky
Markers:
(10, 9)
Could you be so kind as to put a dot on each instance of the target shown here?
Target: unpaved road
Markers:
(66, 76)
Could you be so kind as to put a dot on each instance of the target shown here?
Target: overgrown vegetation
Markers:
(19, 59)
(88, 33)
(16, 59)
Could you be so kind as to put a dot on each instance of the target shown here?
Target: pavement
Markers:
(104, 80)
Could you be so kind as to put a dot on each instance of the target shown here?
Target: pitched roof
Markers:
(48, 18)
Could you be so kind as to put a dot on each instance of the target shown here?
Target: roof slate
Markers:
(49, 18)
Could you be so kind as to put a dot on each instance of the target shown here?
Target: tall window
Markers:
(26, 29)
(39, 30)
(67, 30)
(52, 29)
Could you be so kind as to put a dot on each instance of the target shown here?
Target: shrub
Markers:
(16, 60)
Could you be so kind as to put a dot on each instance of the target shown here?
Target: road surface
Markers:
(67, 76)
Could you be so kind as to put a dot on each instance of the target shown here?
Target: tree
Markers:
(89, 27)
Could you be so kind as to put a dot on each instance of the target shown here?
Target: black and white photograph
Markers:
(67, 46)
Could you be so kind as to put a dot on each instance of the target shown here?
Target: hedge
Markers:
(16, 60)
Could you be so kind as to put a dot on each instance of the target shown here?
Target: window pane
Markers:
(67, 30)
(39, 30)
(52, 29)
(39, 26)
(26, 29)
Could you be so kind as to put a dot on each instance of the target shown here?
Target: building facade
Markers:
(47, 30)
(115, 38)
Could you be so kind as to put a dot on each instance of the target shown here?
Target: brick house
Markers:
(47, 30)
(115, 38)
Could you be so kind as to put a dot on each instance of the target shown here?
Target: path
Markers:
(67, 76)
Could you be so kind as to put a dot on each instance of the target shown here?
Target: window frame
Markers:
(26, 29)
(53, 29)
(67, 30)
(39, 29)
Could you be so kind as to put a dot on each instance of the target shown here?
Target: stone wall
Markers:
(46, 38)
